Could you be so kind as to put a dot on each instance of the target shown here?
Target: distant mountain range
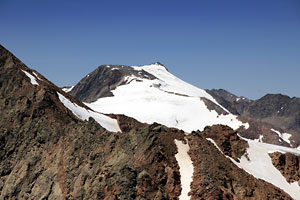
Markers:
(141, 133)
(273, 115)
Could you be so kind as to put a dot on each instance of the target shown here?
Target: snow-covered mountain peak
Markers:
(150, 93)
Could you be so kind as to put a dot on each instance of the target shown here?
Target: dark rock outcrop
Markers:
(288, 164)
(276, 111)
(235, 105)
(227, 140)
(103, 80)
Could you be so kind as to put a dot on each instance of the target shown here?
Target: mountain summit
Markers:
(151, 94)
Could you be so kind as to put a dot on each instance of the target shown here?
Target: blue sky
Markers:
(249, 47)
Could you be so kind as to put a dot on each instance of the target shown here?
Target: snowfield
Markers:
(186, 168)
(32, 78)
(166, 100)
(84, 114)
(260, 165)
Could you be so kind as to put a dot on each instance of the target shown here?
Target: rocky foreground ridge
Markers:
(48, 152)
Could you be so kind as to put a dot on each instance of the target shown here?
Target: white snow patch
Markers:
(32, 78)
(283, 136)
(260, 165)
(68, 89)
(214, 143)
(174, 84)
(37, 76)
(259, 139)
(186, 168)
(155, 100)
(84, 114)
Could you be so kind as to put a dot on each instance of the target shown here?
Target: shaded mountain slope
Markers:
(270, 117)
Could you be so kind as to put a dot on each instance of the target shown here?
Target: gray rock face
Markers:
(236, 105)
(276, 111)
(103, 80)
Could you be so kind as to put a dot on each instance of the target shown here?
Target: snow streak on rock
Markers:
(283, 136)
(84, 114)
(186, 168)
(67, 89)
(32, 78)
(260, 165)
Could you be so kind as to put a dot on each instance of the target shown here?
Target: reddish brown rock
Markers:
(216, 177)
(227, 140)
(288, 164)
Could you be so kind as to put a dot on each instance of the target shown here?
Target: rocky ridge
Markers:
(115, 75)
(272, 111)
(47, 152)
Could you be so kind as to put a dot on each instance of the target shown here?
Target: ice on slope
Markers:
(68, 89)
(36, 75)
(171, 83)
(260, 165)
(259, 139)
(186, 168)
(84, 114)
(152, 101)
(32, 78)
(283, 136)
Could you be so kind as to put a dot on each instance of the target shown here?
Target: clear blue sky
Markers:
(249, 47)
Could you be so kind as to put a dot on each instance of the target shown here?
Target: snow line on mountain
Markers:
(32, 78)
(147, 101)
(84, 114)
(260, 165)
